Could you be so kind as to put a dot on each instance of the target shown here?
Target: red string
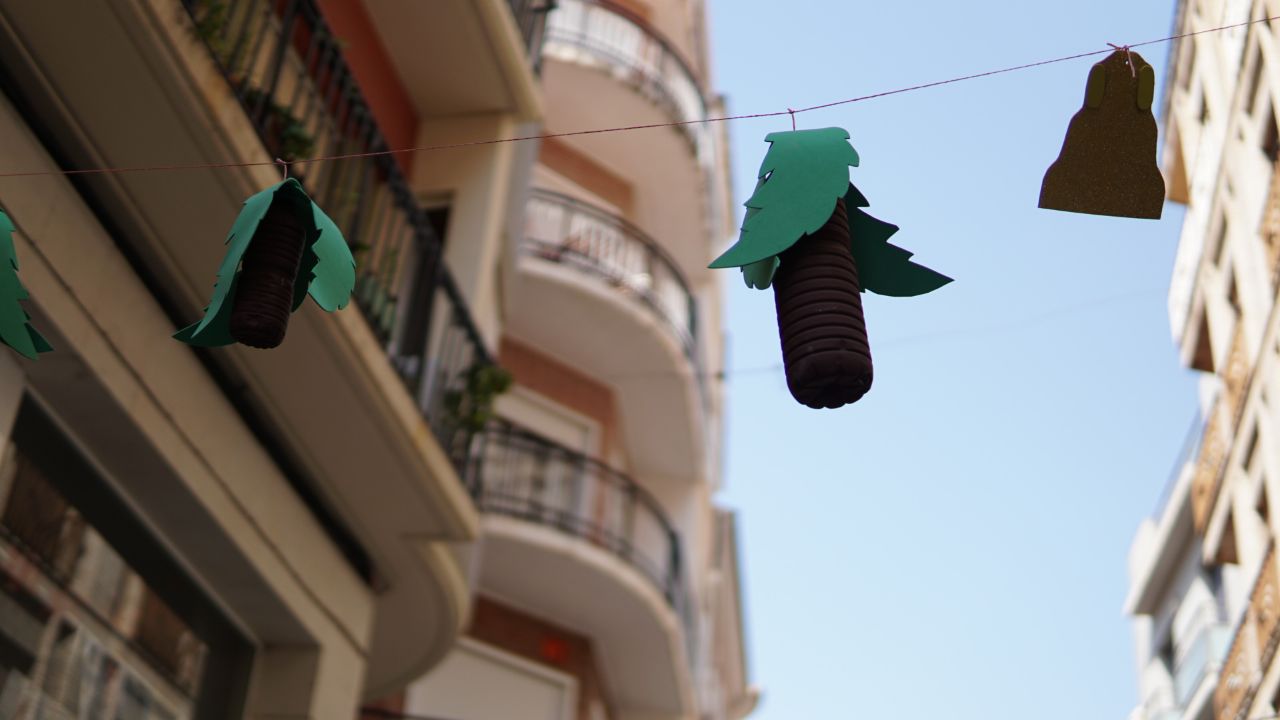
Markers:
(1128, 57)
(630, 128)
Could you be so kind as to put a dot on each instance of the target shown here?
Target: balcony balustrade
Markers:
(531, 18)
(1254, 646)
(1200, 660)
(1236, 376)
(571, 233)
(1238, 681)
(286, 68)
(525, 476)
(596, 33)
(1207, 481)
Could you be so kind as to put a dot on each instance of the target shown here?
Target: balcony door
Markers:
(553, 481)
(561, 425)
(96, 619)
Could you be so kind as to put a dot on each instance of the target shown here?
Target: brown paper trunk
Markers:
(264, 292)
(820, 320)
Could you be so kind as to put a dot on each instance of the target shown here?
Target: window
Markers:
(1189, 65)
(1255, 83)
(1202, 360)
(1212, 575)
(1222, 241)
(1264, 505)
(94, 616)
(1250, 457)
(1166, 653)
(410, 348)
(1271, 138)
(1227, 554)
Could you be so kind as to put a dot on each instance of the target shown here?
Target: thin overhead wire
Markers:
(631, 128)
(728, 374)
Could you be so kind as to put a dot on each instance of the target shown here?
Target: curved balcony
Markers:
(584, 546)
(1254, 646)
(567, 231)
(604, 67)
(599, 294)
(287, 68)
(593, 32)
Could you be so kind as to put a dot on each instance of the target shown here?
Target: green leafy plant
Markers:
(213, 17)
(470, 407)
(285, 132)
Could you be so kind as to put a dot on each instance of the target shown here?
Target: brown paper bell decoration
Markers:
(1108, 160)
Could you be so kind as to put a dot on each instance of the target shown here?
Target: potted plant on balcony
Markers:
(468, 407)
(286, 136)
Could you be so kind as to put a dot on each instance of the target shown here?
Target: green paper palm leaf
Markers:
(15, 323)
(803, 175)
(883, 268)
(333, 274)
(327, 272)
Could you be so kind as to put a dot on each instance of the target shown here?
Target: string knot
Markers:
(1128, 52)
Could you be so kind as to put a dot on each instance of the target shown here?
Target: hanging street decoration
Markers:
(1108, 161)
(15, 323)
(805, 233)
(281, 248)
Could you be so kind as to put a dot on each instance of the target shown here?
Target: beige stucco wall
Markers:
(104, 323)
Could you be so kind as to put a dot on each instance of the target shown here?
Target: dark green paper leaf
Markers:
(802, 176)
(334, 273)
(327, 271)
(214, 328)
(883, 268)
(15, 323)
(759, 275)
(218, 332)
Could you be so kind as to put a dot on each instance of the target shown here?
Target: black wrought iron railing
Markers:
(286, 68)
(595, 32)
(567, 231)
(531, 18)
(526, 476)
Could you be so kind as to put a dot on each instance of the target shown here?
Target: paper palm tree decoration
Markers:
(281, 248)
(15, 323)
(805, 233)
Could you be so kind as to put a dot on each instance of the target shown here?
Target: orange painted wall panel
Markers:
(376, 73)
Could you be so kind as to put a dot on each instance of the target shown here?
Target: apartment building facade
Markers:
(607, 577)
(1205, 591)
(312, 530)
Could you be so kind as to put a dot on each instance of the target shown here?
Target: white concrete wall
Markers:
(481, 682)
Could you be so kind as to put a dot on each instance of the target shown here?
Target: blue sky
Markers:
(954, 545)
